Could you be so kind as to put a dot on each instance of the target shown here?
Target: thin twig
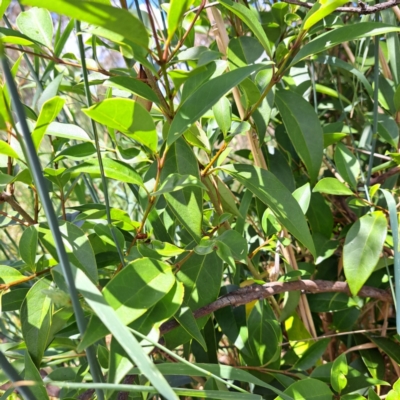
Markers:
(248, 294)
(362, 9)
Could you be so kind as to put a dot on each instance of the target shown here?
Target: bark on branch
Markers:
(363, 8)
(248, 294)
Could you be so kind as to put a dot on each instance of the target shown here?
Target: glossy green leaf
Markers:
(275, 195)
(120, 332)
(201, 278)
(204, 98)
(342, 34)
(308, 389)
(339, 372)
(113, 169)
(7, 150)
(128, 116)
(332, 138)
(186, 204)
(77, 246)
(362, 248)
(304, 129)
(37, 24)
(36, 316)
(9, 274)
(3, 6)
(176, 10)
(77, 152)
(28, 246)
(50, 109)
(347, 165)
(332, 186)
(223, 114)
(250, 19)
(67, 131)
(303, 196)
(114, 19)
(12, 300)
(176, 182)
(134, 86)
(137, 287)
(326, 7)
(388, 346)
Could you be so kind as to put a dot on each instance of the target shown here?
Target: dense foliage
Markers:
(199, 199)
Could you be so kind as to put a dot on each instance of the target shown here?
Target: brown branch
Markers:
(248, 294)
(381, 178)
(362, 9)
(8, 198)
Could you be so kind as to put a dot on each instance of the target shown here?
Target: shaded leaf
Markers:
(36, 315)
(275, 195)
(304, 129)
(362, 249)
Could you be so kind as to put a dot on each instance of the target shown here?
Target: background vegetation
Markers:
(199, 199)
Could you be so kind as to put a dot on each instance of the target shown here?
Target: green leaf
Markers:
(77, 246)
(332, 186)
(303, 196)
(275, 195)
(388, 346)
(129, 117)
(116, 20)
(304, 129)
(138, 286)
(36, 315)
(7, 150)
(339, 372)
(28, 247)
(159, 250)
(326, 7)
(134, 86)
(37, 24)
(11, 301)
(113, 169)
(249, 18)
(188, 323)
(332, 138)
(265, 333)
(77, 152)
(223, 114)
(204, 97)
(342, 34)
(32, 374)
(223, 371)
(50, 109)
(49, 92)
(176, 182)
(347, 165)
(310, 357)
(67, 131)
(176, 10)
(3, 6)
(388, 129)
(108, 316)
(362, 248)
(9, 274)
(187, 203)
(308, 389)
